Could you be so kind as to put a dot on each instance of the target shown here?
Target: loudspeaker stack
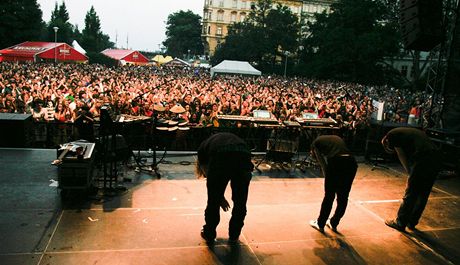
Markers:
(421, 23)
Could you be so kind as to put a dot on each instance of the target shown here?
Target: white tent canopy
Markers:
(234, 67)
(77, 47)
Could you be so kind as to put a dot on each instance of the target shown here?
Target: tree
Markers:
(183, 34)
(77, 33)
(262, 38)
(260, 12)
(244, 42)
(20, 20)
(60, 19)
(92, 39)
(351, 42)
(283, 30)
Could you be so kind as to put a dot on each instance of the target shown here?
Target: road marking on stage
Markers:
(392, 201)
(250, 248)
(327, 237)
(131, 249)
(410, 237)
(51, 237)
(443, 191)
(423, 245)
(377, 201)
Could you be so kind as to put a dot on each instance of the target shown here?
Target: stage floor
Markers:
(158, 221)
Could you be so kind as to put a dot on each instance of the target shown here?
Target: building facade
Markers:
(405, 64)
(312, 7)
(218, 15)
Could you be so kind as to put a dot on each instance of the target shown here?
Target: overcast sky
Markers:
(142, 21)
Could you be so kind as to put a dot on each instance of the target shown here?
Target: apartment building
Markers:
(219, 14)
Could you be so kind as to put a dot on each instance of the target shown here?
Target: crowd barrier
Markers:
(143, 137)
(364, 142)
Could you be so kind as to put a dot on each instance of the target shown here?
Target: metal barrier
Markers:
(140, 137)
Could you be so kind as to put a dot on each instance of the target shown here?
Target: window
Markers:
(242, 17)
(220, 15)
(243, 5)
(404, 70)
(235, 4)
(209, 30)
(221, 3)
(233, 17)
(219, 31)
(209, 15)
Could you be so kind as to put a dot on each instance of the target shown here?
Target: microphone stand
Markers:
(153, 134)
(154, 165)
(368, 157)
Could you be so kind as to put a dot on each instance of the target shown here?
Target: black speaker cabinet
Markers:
(420, 22)
(15, 130)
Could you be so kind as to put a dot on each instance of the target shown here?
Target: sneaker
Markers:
(206, 237)
(394, 224)
(332, 227)
(314, 224)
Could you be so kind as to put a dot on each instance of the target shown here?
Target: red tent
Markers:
(38, 51)
(128, 56)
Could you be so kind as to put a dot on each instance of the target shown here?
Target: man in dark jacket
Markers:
(338, 167)
(420, 158)
(223, 158)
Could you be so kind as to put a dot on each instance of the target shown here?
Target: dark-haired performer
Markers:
(339, 167)
(224, 157)
(419, 157)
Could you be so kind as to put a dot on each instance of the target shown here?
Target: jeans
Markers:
(340, 173)
(419, 184)
(223, 171)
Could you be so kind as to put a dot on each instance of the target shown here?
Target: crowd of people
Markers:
(59, 93)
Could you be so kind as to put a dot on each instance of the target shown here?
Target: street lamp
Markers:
(55, 44)
(285, 63)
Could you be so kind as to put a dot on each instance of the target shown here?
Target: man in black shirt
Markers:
(224, 157)
(338, 167)
(419, 157)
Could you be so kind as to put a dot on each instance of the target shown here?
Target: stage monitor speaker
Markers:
(421, 23)
(16, 130)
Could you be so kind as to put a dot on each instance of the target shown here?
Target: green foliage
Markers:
(260, 12)
(240, 35)
(351, 42)
(282, 29)
(20, 20)
(183, 34)
(93, 39)
(99, 58)
(60, 19)
(263, 38)
(76, 33)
